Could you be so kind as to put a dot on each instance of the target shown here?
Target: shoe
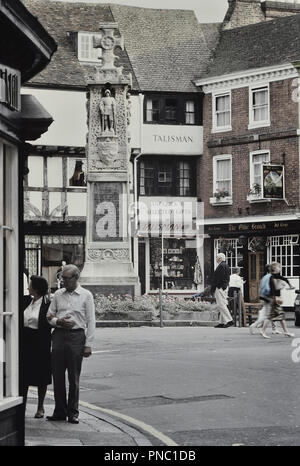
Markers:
(39, 414)
(220, 326)
(73, 420)
(251, 329)
(229, 324)
(55, 418)
(276, 332)
(264, 334)
(287, 334)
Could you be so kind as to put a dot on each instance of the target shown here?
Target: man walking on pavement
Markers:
(220, 282)
(72, 314)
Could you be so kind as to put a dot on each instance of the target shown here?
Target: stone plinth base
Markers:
(110, 278)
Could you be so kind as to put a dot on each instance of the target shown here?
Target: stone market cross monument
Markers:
(108, 262)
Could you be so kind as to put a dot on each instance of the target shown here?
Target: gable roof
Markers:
(164, 49)
(265, 44)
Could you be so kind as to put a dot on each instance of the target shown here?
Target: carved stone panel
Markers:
(107, 211)
(120, 255)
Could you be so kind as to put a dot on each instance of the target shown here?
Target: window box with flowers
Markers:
(221, 197)
(255, 194)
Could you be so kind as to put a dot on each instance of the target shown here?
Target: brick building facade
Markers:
(251, 120)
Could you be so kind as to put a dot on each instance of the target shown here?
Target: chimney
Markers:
(242, 13)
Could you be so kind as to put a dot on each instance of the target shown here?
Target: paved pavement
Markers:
(94, 429)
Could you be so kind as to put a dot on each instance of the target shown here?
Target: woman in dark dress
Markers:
(36, 341)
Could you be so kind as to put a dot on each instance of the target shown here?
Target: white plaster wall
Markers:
(135, 121)
(36, 172)
(76, 204)
(68, 109)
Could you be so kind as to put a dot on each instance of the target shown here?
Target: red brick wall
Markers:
(284, 119)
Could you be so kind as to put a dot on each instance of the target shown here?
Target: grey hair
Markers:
(220, 257)
(274, 266)
(236, 270)
(74, 268)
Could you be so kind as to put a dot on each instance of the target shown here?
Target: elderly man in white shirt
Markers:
(72, 313)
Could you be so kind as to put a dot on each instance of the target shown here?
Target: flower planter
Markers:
(220, 201)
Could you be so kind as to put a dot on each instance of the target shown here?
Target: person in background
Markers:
(72, 314)
(236, 284)
(277, 283)
(77, 179)
(60, 283)
(36, 341)
(220, 282)
(264, 296)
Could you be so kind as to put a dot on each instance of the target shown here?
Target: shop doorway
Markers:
(256, 271)
(142, 266)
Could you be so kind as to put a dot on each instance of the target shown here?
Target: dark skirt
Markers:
(277, 313)
(36, 358)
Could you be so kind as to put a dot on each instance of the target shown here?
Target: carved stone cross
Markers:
(107, 42)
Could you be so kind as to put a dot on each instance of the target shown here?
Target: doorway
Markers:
(256, 271)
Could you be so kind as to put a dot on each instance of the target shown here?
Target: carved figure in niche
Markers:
(107, 112)
(77, 179)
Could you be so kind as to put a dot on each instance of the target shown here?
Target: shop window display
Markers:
(178, 262)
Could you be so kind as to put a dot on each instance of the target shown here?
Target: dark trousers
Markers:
(67, 354)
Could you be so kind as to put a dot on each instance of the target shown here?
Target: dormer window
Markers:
(86, 51)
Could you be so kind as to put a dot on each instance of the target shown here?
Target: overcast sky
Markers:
(206, 10)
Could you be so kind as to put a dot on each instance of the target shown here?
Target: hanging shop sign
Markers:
(273, 181)
(256, 228)
(10, 84)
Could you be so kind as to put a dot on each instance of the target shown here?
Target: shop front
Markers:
(252, 245)
(170, 247)
(45, 254)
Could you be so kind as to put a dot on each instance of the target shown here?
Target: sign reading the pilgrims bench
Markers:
(273, 181)
(10, 82)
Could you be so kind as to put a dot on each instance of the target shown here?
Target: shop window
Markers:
(222, 112)
(172, 110)
(33, 250)
(233, 252)
(259, 111)
(167, 177)
(286, 251)
(179, 261)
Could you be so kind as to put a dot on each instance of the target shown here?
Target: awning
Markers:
(33, 120)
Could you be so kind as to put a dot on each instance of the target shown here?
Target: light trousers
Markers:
(222, 301)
